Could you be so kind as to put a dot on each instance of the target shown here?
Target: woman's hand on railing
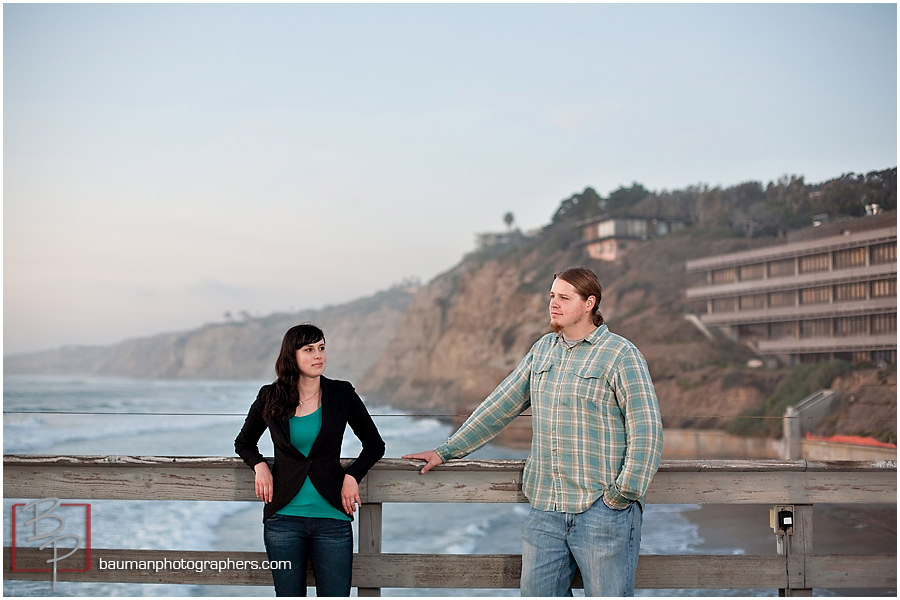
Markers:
(430, 457)
(263, 483)
(350, 494)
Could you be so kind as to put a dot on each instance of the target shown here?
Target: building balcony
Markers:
(803, 311)
(852, 239)
(793, 282)
(827, 344)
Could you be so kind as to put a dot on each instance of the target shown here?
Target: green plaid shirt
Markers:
(595, 420)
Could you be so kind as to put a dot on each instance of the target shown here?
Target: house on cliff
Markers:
(494, 239)
(610, 238)
(825, 292)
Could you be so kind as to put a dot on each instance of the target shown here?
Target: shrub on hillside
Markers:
(802, 381)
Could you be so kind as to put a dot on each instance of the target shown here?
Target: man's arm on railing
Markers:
(504, 404)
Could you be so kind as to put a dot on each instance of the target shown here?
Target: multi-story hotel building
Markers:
(827, 292)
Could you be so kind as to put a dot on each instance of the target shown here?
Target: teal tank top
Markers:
(309, 502)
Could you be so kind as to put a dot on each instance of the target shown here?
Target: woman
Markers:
(310, 498)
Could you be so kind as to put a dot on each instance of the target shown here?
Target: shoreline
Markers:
(837, 529)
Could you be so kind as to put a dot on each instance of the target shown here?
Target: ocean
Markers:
(201, 418)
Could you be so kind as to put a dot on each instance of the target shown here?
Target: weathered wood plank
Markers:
(442, 570)
(801, 548)
(446, 486)
(159, 566)
(468, 571)
(464, 464)
(398, 480)
(847, 571)
(370, 520)
(116, 482)
(710, 572)
(391, 570)
(503, 571)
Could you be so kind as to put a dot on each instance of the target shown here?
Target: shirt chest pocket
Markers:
(591, 386)
(541, 376)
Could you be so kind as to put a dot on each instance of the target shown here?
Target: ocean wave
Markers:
(33, 433)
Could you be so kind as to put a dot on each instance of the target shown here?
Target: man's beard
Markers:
(555, 327)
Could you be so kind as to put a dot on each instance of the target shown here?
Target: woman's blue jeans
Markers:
(602, 542)
(328, 543)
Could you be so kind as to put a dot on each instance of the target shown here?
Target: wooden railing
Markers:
(797, 484)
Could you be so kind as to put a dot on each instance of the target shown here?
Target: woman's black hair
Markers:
(284, 398)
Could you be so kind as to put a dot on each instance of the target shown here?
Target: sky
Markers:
(165, 164)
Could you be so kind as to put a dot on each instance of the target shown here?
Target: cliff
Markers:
(356, 334)
(867, 397)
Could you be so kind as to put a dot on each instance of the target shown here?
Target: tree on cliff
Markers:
(747, 209)
(624, 198)
(578, 206)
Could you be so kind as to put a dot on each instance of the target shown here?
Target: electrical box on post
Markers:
(781, 519)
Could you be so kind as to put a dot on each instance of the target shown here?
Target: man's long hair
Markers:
(586, 284)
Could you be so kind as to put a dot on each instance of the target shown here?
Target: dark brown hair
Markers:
(284, 397)
(586, 284)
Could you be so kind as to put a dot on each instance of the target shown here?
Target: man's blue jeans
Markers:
(327, 542)
(604, 544)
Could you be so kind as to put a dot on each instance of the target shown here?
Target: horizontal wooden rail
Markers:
(798, 482)
(461, 570)
(398, 480)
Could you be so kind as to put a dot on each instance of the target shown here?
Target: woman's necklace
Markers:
(304, 400)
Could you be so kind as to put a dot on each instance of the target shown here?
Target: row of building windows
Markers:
(879, 324)
(842, 292)
(813, 263)
(887, 357)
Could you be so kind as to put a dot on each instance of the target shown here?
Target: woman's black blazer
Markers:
(340, 406)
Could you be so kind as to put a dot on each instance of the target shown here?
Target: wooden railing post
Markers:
(801, 549)
(796, 546)
(370, 537)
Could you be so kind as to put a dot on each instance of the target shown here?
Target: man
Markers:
(597, 440)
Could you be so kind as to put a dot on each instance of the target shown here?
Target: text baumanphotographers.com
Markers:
(183, 564)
